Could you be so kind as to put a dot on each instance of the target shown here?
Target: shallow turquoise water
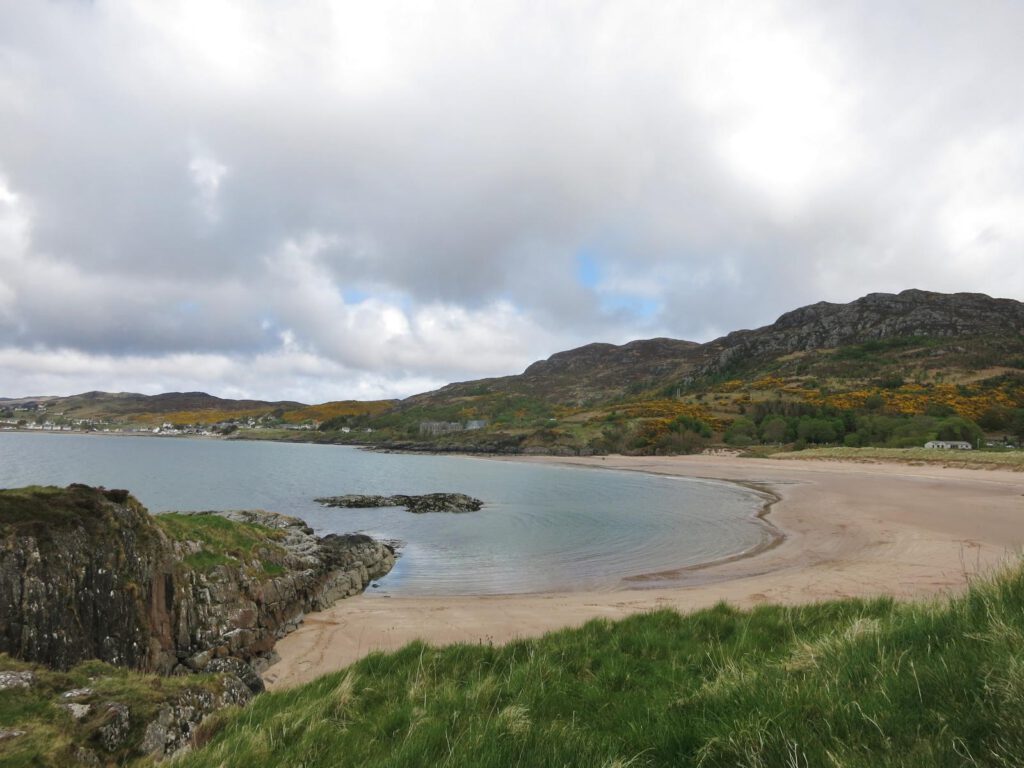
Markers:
(542, 527)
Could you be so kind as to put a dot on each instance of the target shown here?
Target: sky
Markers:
(321, 200)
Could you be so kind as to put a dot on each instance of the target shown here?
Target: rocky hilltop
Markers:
(579, 375)
(597, 373)
(875, 317)
(87, 573)
(905, 355)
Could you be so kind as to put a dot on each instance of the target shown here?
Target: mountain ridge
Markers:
(824, 325)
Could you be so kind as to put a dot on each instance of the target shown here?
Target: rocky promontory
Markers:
(88, 574)
(428, 502)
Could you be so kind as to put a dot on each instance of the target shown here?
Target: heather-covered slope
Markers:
(903, 355)
(601, 372)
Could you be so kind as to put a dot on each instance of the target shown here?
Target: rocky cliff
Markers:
(87, 573)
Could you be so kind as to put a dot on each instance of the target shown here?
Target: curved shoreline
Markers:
(775, 537)
(849, 531)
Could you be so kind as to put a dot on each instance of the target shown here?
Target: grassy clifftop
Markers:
(850, 683)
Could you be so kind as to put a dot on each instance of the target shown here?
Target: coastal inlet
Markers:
(542, 528)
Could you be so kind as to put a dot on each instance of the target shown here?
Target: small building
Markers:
(949, 445)
(434, 428)
(476, 424)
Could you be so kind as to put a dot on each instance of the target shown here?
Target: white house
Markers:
(954, 445)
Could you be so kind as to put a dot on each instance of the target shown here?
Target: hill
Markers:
(182, 408)
(888, 355)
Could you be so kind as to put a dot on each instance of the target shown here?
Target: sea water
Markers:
(542, 527)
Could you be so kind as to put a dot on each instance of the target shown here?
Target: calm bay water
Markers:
(542, 527)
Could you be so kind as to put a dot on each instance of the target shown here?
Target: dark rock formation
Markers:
(81, 572)
(88, 573)
(428, 502)
(240, 611)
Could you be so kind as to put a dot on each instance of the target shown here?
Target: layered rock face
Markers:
(88, 573)
(78, 568)
(242, 610)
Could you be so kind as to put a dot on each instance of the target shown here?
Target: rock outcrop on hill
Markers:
(598, 373)
(88, 573)
(875, 317)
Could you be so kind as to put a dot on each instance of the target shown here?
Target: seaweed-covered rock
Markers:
(428, 502)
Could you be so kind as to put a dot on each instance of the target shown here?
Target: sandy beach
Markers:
(847, 530)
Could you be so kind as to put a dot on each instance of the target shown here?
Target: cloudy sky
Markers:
(324, 200)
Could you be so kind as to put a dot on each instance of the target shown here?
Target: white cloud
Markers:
(388, 195)
(207, 175)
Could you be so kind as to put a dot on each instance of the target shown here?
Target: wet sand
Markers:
(847, 530)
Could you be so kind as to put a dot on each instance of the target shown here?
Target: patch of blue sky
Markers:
(588, 270)
(641, 307)
(354, 295)
(189, 307)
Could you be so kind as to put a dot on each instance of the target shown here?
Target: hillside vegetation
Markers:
(851, 683)
(889, 370)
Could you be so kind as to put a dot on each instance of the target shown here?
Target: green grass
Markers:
(994, 459)
(49, 731)
(224, 542)
(852, 683)
(48, 505)
(41, 511)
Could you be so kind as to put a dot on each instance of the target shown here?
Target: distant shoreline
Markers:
(94, 433)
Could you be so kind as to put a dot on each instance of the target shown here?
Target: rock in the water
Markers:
(428, 502)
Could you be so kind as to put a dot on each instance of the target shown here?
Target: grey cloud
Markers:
(729, 162)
